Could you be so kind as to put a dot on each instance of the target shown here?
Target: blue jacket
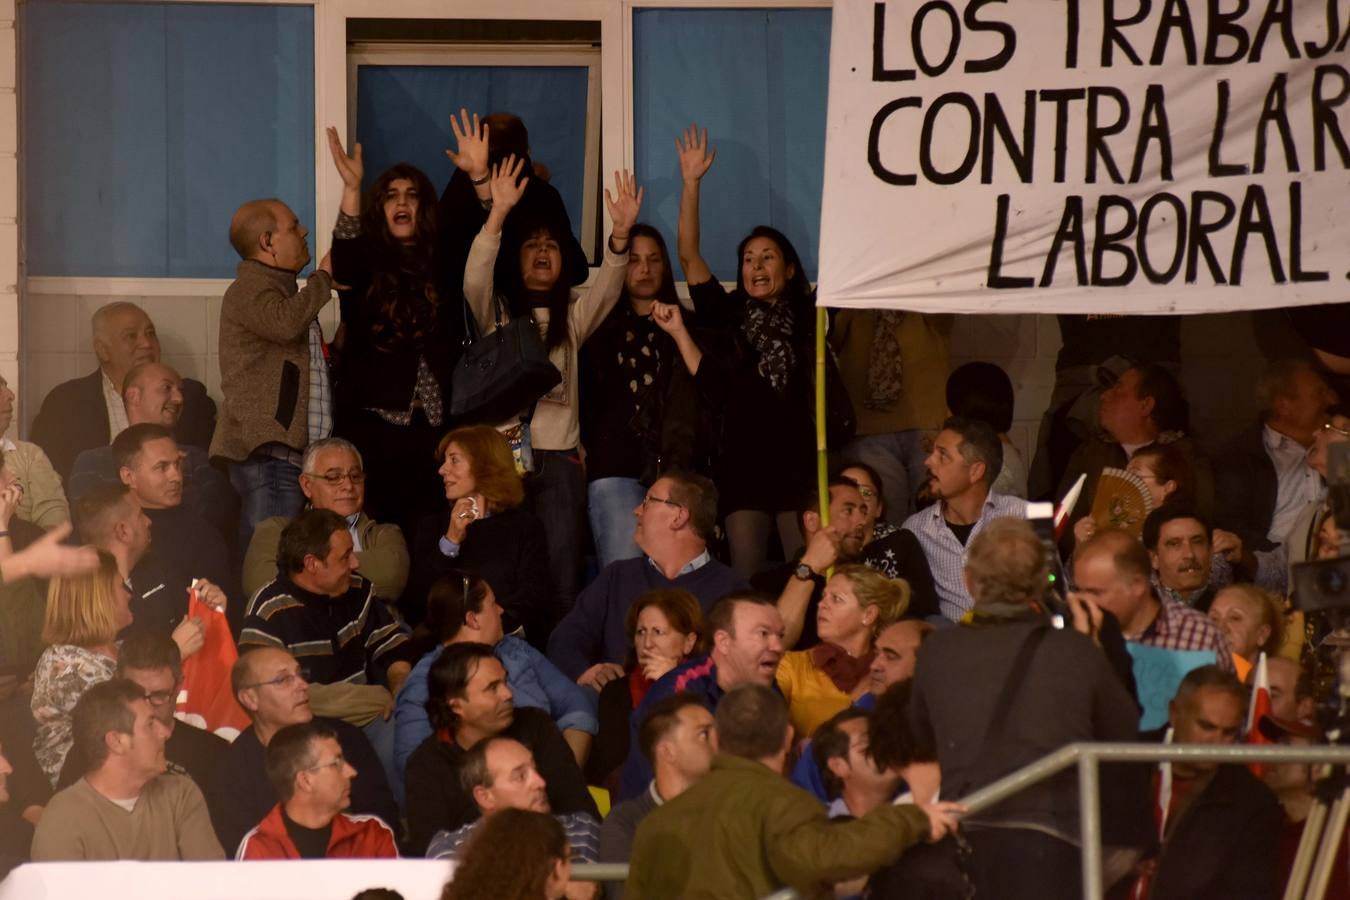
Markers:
(697, 676)
(534, 681)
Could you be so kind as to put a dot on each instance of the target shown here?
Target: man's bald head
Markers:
(251, 221)
(153, 392)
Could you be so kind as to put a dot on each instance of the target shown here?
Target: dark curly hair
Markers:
(510, 280)
(509, 857)
(403, 290)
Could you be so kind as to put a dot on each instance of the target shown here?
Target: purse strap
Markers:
(471, 326)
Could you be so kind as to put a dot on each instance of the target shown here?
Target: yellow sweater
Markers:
(811, 696)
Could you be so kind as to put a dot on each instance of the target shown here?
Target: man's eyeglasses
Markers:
(159, 698)
(335, 477)
(281, 681)
(649, 499)
(1341, 431)
(336, 762)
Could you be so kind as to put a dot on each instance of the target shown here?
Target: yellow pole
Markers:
(822, 462)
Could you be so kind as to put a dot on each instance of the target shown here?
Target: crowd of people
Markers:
(607, 615)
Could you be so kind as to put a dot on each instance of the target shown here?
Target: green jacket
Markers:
(743, 831)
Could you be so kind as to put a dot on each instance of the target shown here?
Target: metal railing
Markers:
(1086, 757)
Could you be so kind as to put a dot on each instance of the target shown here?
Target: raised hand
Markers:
(47, 557)
(350, 168)
(624, 204)
(695, 156)
(10, 496)
(471, 138)
(669, 317)
(507, 185)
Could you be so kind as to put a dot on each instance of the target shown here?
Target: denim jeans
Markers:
(557, 495)
(267, 487)
(380, 733)
(610, 505)
(898, 459)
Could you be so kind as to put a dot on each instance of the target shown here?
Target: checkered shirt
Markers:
(946, 556)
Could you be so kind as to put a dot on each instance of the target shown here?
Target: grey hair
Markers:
(98, 322)
(331, 443)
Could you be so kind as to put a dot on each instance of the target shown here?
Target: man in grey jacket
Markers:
(273, 369)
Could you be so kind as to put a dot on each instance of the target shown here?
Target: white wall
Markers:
(9, 198)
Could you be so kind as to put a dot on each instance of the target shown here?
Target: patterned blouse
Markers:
(64, 673)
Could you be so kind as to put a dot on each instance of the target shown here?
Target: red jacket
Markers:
(353, 837)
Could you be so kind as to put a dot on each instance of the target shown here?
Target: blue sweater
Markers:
(593, 631)
(534, 681)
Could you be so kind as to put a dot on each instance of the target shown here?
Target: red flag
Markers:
(206, 698)
(1258, 707)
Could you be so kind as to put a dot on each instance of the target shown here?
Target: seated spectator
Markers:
(499, 773)
(1114, 571)
(746, 639)
(983, 392)
(314, 783)
(277, 393)
(153, 394)
(1181, 553)
(674, 523)
(126, 807)
(1252, 620)
(966, 459)
(890, 549)
(463, 609)
(469, 700)
(665, 628)
(1004, 690)
(41, 500)
(1291, 691)
(111, 519)
(1221, 826)
(485, 530)
(1262, 479)
(1294, 786)
(88, 412)
(357, 653)
(821, 682)
(678, 738)
(741, 830)
(84, 615)
(271, 689)
(187, 547)
(1167, 476)
(153, 662)
(854, 782)
(332, 478)
(798, 583)
(517, 855)
(897, 649)
(1144, 406)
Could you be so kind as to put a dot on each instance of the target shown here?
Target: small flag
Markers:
(1258, 707)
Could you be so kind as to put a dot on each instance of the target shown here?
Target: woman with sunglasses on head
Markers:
(537, 284)
(401, 315)
(487, 530)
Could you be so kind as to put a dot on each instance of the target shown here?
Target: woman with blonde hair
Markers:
(84, 615)
(516, 854)
(1253, 621)
(487, 531)
(817, 683)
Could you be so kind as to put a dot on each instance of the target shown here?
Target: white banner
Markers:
(1080, 156)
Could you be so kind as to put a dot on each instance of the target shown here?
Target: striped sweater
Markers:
(351, 639)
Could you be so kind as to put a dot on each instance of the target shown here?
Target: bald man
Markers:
(273, 370)
(89, 412)
(153, 393)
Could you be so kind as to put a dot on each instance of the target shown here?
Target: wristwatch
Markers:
(804, 572)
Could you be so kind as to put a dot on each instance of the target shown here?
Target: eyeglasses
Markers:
(336, 762)
(281, 681)
(1341, 431)
(159, 698)
(335, 477)
(649, 499)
